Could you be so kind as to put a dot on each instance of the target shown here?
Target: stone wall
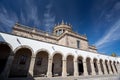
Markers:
(72, 41)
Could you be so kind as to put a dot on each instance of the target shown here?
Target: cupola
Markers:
(61, 28)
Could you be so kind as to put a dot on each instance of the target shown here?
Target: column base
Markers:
(85, 74)
(93, 74)
(100, 73)
(75, 74)
(49, 74)
(64, 74)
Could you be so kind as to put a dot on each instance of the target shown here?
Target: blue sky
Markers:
(98, 19)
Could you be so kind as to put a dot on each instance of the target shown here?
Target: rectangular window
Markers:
(78, 44)
(23, 59)
(39, 61)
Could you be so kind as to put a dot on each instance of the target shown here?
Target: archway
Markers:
(21, 63)
(106, 66)
(88, 66)
(95, 65)
(5, 51)
(41, 64)
(57, 65)
(80, 65)
(111, 66)
(70, 66)
(101, 65)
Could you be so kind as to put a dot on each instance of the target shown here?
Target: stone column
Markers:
(99, 68)
(113, 67)
(64, 73)
(110, 71)
(31, 68)
(7, 68)
(85, 68)
(105, 68)
(92, 67)
(116, 70)
(75, 68)
(49, 71)
(117, 66)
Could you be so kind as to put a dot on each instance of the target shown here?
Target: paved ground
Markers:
(96, 77)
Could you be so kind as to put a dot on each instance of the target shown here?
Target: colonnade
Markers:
(23, 63)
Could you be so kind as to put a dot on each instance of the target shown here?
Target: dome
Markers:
(61, 28)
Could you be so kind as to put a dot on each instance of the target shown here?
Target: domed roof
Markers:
(63, 25)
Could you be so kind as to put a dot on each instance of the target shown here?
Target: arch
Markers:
(106, 61)
(10, 46)
(69, 54)
(57, 64)
(110, 63)
(43, 49)
(24, 46)
(70, 65)
(5, 52)
(117, 62)
(21, 62)
(89, 70)
(101, 65)
(95, 65)
(80, 65)
(41, 63)
(58, 52)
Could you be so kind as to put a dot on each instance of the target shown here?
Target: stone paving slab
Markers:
(96, 77)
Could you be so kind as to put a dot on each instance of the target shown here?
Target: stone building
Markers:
(29, 52)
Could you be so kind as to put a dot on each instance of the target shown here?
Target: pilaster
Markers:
(110, 71)
(92, 67)
(31, 68)
(113, 67)
(64, 73)
(49, 72)
(75, 68)
(7, 68)
(85, 68)
(105, 68)
(99, 69)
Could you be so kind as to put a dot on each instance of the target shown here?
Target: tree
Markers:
(113, 54)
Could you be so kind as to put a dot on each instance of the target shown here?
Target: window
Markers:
(60, 31)
(23, 59)
(78, 44)
(39, 61)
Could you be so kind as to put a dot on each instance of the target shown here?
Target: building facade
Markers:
(29, 52)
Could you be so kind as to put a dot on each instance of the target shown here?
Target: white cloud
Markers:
(117, 6)
(23, 19)
(32, 12)
(7, 18)
(111, 35)
(49, 19)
